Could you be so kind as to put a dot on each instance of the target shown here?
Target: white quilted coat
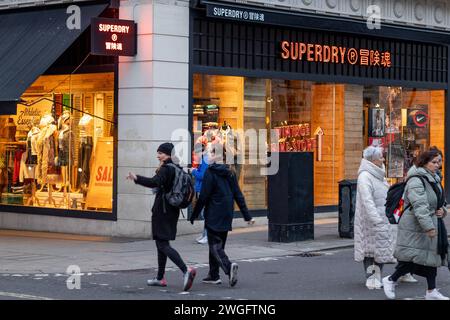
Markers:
(374, 236)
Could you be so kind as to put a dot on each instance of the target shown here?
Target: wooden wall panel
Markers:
(437, 121)
(329, 171)
(230, 91)
(75, 84)
(353, 130)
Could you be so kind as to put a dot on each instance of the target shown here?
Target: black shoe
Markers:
(211, 280)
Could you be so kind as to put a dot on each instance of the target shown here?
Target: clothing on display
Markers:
(27, 171)
(32, 137)
(66, 146)
(84, 160)
(46, 148)
(86, 126)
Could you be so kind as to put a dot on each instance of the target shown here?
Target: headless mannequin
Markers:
(46, 155)
(31, 162)
(86, 126)
(65, 149)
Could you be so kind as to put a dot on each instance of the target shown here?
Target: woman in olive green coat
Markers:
(417, 237)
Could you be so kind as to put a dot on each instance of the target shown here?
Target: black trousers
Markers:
(429, 273)
(164, 251)
(217, 256)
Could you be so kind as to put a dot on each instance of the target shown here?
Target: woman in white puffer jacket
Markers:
(374, 236)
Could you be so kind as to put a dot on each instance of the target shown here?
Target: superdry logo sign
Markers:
(335, 54)
(226, 12)
(113, 37)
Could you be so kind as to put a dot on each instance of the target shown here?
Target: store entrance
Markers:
(345, 117)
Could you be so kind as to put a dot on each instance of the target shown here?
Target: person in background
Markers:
(198, 173)
(164, 218)
(219, 191)
(422, 243)
(374, 237)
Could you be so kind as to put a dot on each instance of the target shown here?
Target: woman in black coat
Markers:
(164, 217)
(219, 191)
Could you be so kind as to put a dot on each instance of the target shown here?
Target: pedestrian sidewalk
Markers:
(32, 253)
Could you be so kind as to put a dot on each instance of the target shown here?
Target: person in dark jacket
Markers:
(219, 191)
(164, 218)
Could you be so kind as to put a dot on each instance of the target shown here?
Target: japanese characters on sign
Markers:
(335, 54)
(227, 12)
(113, 37)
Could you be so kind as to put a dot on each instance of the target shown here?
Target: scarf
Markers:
(442, 247)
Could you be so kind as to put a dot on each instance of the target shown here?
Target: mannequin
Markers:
(65, 149)
(39, 145)
(29, 162)
(32, 137)
(86, 126)
(47, 152)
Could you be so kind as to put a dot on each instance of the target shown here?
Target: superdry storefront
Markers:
(328, 86)
(58, 122)
(74, 120)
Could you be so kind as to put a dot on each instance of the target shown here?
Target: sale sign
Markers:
(100, 192)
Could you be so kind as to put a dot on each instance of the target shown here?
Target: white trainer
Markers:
(408, 278)
(389, 287)
(435, 295)
(203, 240)
(373, 283)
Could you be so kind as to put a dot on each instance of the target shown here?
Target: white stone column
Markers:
(153, 102)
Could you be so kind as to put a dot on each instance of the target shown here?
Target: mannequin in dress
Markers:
(39, 148)
(47, 154)
(65, 149)
(86, 126)
(29, 162)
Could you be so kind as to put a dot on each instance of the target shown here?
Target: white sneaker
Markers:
(199, 238)
(203, 240)
(408, 278)
(373, 283)
(435, 295)
(233, 274)
(389, 287)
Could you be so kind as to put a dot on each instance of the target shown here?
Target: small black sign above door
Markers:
(113, 37)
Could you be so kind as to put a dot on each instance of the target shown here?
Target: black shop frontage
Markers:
(323, 89)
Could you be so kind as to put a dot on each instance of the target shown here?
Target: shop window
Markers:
(57, 151)
(224, 108)
(301, 111)
(347, 118)
(405, 121)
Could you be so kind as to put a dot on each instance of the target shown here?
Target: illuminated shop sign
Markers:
(334, 54)
(113, 37)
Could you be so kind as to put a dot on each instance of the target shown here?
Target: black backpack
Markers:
(395, 200)
(182, 191)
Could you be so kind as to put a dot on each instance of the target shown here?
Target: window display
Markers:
(51, 147)
(335, 121)
(411, 115)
